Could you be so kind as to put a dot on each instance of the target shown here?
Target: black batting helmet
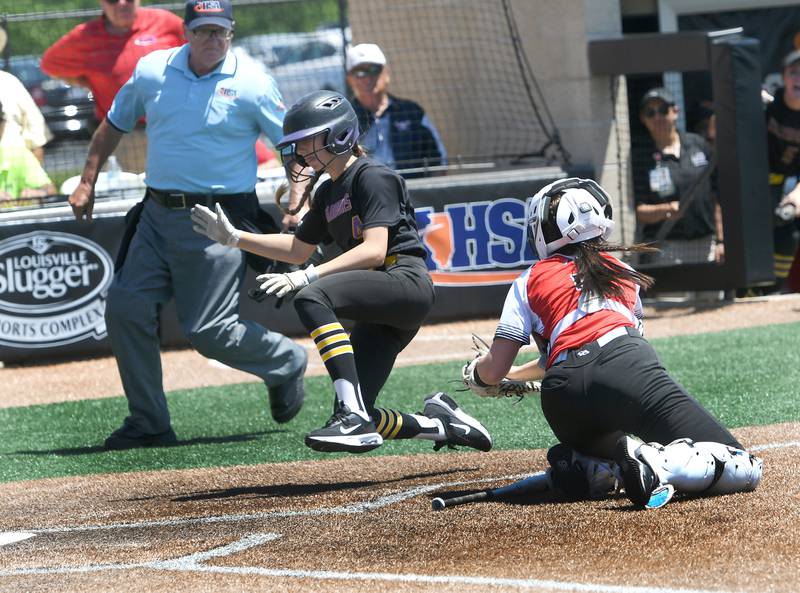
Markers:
(321, 112)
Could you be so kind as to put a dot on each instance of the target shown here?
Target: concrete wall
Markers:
(593, 127)
(439, 44)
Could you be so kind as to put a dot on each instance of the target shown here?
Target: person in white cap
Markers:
(25, 125)
(395, 131)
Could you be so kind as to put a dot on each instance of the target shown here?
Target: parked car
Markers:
(68, 110)
(301, 62)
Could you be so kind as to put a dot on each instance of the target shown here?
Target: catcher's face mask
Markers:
(583, 212)
(306, 153)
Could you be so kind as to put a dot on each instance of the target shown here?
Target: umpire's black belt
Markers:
(178, 200)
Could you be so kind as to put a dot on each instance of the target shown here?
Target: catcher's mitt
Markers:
(506, 387)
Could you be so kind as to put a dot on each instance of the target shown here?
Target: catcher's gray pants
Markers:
(597, 393)
(167, 258)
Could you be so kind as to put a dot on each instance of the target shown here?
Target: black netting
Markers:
(460, 61)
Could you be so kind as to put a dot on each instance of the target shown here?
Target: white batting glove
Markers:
(214, 225)
(282, 284)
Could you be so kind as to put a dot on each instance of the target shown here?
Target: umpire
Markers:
(204, 110)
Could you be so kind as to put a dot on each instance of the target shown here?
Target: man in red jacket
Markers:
(102, 53)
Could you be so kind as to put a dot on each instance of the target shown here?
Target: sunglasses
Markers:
(662, 109)
(206, 34)
(368, 72)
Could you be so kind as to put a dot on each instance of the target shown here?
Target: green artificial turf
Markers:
(744, 377)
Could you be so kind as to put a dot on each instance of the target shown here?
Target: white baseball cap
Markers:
(364, 53)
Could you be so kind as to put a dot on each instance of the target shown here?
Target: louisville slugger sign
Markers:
(52, 289)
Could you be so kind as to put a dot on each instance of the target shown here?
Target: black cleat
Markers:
(286, 399)
(128, 437)
(639, 479)
(345, 431)
(459, 427)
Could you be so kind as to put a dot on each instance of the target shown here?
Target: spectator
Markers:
(395, 131)
(672, 186)
(102, 53)
(25, 125)
(702, 121)
(21, 174)
(783, 143)
(201, 131)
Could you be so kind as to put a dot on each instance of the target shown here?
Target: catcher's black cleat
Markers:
(639, 479)
(566, 473)
(345, 431)
(459, 427)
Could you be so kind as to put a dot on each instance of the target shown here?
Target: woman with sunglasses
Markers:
(675, 205)
(600, 379)
(380, 279)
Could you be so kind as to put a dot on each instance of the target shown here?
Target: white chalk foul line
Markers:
(184, 563)
(12, 537)
(360, 507)
(194, 563)
(774, 446)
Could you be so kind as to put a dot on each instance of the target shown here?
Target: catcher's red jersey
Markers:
(546, 303)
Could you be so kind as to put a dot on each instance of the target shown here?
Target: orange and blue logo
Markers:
(476, 243)
(208, 6)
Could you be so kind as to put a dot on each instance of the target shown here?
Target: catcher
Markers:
(600, 379)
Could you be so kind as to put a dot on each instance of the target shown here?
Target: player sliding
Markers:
(380, 280)
(600, 380)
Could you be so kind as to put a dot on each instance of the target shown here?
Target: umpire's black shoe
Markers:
(639, 479)
(286, 399)
(128, 437)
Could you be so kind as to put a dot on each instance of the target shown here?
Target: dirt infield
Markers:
(365, 523)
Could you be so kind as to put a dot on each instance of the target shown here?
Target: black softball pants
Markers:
(591, 399)
(388, 307)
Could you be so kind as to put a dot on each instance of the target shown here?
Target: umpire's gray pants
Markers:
(167, 258)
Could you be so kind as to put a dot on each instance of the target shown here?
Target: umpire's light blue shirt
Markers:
(201, 131)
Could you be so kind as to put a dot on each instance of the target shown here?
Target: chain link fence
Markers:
(462, 62)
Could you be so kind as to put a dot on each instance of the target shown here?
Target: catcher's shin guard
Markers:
(577, 476)
(703, 467)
